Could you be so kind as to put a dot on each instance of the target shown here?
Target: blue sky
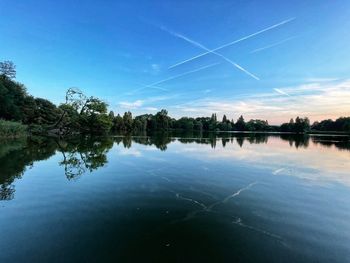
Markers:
(116, 50)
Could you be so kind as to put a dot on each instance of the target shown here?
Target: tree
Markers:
(301, 125)
(83, 114)
(240, 124)
(162, 120)
(45, 112)
(8, 69)
(118, 123)
(12, 98)
(111, 115)
(128, 121)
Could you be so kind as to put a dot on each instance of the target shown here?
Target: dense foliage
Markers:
(300, 125)
(162, 122)
(12, 129)
(341, 124)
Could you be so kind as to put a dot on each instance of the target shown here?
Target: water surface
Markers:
(226, 198)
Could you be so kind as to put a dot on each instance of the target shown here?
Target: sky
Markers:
(272, 60)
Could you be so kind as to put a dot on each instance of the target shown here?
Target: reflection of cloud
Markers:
(129, 151)
(278, 171)
(314, 163)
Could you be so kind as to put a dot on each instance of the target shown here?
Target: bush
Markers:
(11, 129)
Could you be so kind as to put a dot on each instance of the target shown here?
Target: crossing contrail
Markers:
(233, 42)
(195, 43)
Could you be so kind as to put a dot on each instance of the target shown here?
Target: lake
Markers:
(209, 198)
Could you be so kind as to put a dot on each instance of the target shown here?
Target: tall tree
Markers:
(240, 124)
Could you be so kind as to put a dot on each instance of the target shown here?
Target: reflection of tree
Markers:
(298, 140)
(127, 141)
(15, 156)
(7, 191)
(83, 155)
(224, 141)
(88, 154)
(240, 140)
(159, 140)
(340, 142)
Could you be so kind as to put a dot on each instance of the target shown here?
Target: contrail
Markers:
(281, 92)
(239, 192)
(210, 207)
(191, 200)
(278, 171)
(143, 87)
(234, 42)
(239, 222)
(181, 75)
(209, 51)
(153, 85)
(231, 196)
(272, 45)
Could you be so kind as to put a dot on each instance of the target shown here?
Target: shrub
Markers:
(11, 129)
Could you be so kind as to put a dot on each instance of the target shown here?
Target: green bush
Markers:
(11, 129)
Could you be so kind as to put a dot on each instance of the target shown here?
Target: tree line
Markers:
(81, 114)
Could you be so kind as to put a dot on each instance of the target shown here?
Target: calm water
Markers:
(237, 198)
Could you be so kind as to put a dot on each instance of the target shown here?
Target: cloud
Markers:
(315, 100)
(131, 105)
(155, 68)
(145, 104)
(207, 91)
(321, 79)
(150, 108)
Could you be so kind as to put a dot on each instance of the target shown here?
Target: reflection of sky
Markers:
(315, 162)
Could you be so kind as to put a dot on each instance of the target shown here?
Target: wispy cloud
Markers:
(315, 100)
(144, 104)
(130, 105)
(150, 108)
(155, 68)
(321, 79)
(233, 42)
(197, 44)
